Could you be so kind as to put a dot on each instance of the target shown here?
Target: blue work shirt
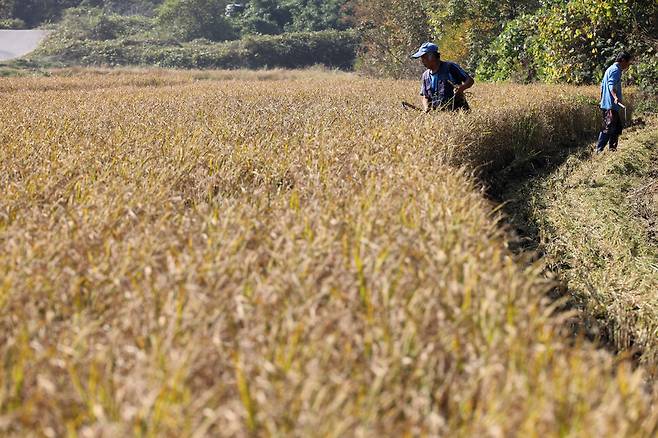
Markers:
(611, 78)
(438, 87)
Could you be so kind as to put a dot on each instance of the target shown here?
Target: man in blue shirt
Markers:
(443, 83)
(611, 97)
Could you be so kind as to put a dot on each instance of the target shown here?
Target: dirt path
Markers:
(17, 43)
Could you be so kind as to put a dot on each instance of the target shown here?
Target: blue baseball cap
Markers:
(426, 48)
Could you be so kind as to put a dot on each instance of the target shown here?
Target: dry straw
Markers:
(297, 256)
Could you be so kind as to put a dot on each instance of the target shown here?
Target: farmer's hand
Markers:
(427, 105)
(465, 86)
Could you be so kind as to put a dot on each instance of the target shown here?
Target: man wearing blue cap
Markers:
(443, 83)
(611, 99)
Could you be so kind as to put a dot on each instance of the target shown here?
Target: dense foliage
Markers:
(569, 41)
(36, 12)
(80, 24)
(191, 19)
(198, 18)
(333, 49)
(200, 34)
(11, 23)
(278, 16)
(549, 40)
(390, 29)
(463, 29)
(572, 41)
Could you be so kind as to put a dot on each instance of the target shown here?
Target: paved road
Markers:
(16, 43)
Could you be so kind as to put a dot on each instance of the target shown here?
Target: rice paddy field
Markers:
(283, 254)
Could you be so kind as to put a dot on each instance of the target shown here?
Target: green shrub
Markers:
(12, 23)
(97, 24)
(508, 56)
(131, 7)
(255, 25)
(191, 19)
(573, 41)
(301, 49)
(645, 74)
(334, 49)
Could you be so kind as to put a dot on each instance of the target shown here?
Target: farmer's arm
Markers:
(464, 80)
(426, 103)
(613, 82)
(425, 100)
(614, 94)
(465, 85)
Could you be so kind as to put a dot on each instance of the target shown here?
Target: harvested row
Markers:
(293, 256)
(597, 218)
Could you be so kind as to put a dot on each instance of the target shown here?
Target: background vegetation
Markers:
(555, 41)
(547, 40)
(332, 49)
(570, 41)
(197, 34)
(205, 17)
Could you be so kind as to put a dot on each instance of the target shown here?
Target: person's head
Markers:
(429, 55)
(624, 59)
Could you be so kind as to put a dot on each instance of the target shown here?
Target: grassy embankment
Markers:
(186, 257)
(596, 218)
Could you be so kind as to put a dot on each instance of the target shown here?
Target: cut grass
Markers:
(596, 222)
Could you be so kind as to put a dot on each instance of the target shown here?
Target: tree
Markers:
(35, 12)
(264, 17)
(315, 15)
(6, 9)
(391, 30)
(573, 41)
(130, 7)
(474, 24)
(463, 28)
(191, 19)
(271, 17)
